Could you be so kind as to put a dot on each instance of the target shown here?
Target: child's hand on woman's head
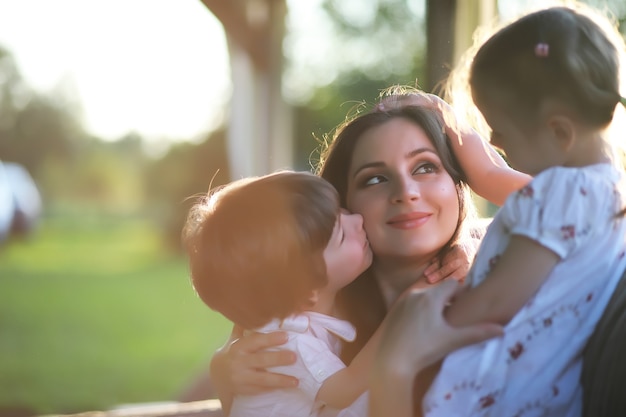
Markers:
(426, 100)
(455, 264)
(419, 99)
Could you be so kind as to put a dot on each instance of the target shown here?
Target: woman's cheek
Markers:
(450, 206)
(357, 203)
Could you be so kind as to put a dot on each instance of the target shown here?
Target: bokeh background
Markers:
(118, 112)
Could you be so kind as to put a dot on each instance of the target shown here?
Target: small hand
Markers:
(417, 98)
(454, 265)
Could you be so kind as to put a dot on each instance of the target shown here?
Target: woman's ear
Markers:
(563, 130)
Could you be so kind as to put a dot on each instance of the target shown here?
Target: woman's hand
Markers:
(239, 367)
(415, 336)
(455, 264)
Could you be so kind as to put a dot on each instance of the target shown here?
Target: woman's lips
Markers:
(409, 220)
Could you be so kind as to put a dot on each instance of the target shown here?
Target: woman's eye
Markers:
(376, 179)
(426, 168)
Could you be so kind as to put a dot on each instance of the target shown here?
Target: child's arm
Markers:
(517, 275)
(343, 387)
(487, 173)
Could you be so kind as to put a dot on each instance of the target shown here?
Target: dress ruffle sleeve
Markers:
(554, 209)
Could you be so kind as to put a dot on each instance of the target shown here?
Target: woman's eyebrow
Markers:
(373, 164)
(379, 164)
(418, 151)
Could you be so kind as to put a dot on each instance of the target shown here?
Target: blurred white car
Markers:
(20, 201)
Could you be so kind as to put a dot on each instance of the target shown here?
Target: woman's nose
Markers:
(405, 191)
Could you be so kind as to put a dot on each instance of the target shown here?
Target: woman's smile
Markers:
(410, 220)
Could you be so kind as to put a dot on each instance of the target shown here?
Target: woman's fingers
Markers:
(256, 382)
(249, 359)
(249, 355)
(442, 294)
(475, 334)
(430, 337)
(267, 359)
(452, 338)
(255, 342)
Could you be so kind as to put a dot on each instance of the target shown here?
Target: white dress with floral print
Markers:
(534, 369)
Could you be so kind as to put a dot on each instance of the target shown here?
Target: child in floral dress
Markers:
(547, 86)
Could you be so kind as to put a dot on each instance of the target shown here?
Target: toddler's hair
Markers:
(562, 54)
(256, 245)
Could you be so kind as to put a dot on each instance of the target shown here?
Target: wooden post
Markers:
(471, 14)
(450, 28)
(440, 17)
(260, 126)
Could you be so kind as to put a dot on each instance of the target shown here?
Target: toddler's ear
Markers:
(563, 130)
(314, 298)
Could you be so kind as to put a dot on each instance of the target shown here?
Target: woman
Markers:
(396, 167)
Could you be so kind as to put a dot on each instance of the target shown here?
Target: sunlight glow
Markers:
(155, 67)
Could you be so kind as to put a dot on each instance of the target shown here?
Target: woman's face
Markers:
(408, 201)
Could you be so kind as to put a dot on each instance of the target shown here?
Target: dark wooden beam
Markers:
(440, 18)
(253, 39)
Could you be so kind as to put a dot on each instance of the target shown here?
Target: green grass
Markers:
(94, 313)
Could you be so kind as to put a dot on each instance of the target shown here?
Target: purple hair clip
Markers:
(380, 107)
(542, 50)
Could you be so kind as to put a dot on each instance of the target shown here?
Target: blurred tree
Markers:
(106, 175)
(615, 7)
(384, 39)
(174, 182)
(329, 106)
(39, 132)
(44, 134)
(33, 127)
(375, 44)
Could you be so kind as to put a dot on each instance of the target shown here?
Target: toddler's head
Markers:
(548, 85)
(557, 54)
(256, 245)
